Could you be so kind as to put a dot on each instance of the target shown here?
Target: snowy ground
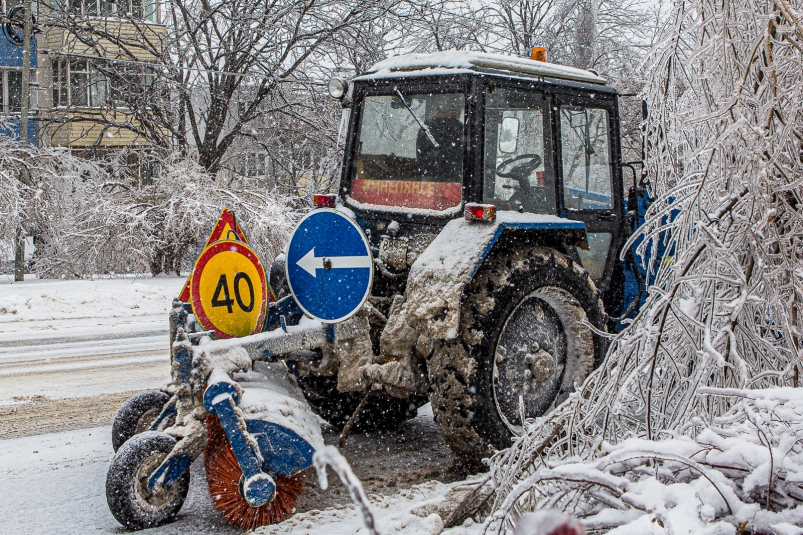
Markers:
(55, 484)
(72, 351)
(68, 345)
(69, 468)
(408, 512)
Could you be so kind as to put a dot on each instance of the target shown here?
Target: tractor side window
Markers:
(518, 168)
(586, 158)
(595, 257)
(410, 151)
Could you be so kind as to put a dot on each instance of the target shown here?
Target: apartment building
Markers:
(96, 58)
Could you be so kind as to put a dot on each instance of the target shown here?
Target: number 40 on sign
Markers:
(229, 289)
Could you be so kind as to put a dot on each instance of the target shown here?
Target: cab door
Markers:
(588, 178)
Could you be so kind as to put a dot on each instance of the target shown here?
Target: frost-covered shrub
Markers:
(87, 218)
(725, 158)
(182, 205)
(742, 473)
(10, 204)
(158, 227)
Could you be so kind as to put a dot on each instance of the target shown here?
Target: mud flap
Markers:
(439, 276)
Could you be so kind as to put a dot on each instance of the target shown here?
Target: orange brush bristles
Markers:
(223, 478)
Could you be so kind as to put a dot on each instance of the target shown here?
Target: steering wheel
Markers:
(525, 196)
(521, 171)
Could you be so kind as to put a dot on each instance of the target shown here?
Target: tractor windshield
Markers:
(410, 151)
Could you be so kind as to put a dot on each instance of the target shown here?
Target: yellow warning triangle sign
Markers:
(226, 228)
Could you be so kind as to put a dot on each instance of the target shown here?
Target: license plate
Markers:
(393, 252)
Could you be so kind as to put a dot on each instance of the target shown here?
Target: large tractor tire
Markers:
(381, 411)
(136, 415)
(522, 347)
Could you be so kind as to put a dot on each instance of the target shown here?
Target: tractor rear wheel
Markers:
(522, 347)
(381, 412)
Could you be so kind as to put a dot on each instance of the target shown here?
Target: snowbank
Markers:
(741, 471)
(410, 512)
(37, 300)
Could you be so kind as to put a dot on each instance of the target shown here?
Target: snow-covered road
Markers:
(72, 351)
(55, 483)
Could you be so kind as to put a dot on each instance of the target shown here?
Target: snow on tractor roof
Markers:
(455, 61)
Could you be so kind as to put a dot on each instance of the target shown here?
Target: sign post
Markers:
(329, 266)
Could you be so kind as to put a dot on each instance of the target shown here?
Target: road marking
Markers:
(105, 363)
(39, 352)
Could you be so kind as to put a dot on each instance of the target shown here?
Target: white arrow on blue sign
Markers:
(329, 266)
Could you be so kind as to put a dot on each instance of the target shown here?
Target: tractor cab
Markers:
(429, 135)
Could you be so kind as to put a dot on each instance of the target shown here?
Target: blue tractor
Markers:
(491, 190)
(473, 257)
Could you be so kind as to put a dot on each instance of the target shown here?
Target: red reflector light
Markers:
(480, 212)
(323, 201)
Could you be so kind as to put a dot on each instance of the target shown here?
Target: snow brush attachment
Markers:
(223, 477)
(261, 435)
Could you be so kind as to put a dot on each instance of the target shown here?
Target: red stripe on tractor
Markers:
(407, 194)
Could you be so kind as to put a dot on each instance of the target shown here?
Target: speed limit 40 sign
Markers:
(229, 290)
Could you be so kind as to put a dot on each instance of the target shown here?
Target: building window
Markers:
(128, 83)
(82, 82)
(252, 164)
(14, 95)
(145, 10)
(60, 82)
(79, 82)
(11, 91)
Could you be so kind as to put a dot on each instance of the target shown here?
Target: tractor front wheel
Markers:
(127, 494)
(523, 346)
(381, 412)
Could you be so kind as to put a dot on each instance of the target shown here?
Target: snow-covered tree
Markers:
(725, 159)
(590, 34)
(89, 218)
(200, 84)
(12, 199)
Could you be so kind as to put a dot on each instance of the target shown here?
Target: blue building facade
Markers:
(11, 89)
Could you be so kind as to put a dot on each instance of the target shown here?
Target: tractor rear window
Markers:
(586, 158)
(410, 151)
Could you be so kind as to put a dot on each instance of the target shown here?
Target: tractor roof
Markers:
(456, 61)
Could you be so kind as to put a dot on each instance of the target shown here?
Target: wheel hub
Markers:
(151, 501)
(529, 362)
(146, 420)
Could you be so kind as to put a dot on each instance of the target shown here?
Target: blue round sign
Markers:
(329, 266)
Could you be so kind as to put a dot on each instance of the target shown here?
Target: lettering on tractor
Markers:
(471, 257)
